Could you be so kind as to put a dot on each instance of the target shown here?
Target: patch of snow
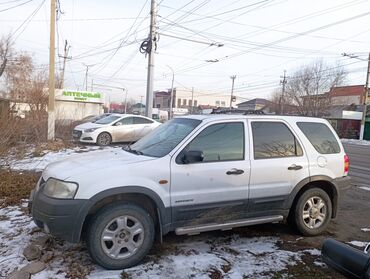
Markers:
(29, 163)
(356, 141)
(231, 256)
(320, 264)
(365, 230)
(313, 252)
(364, 188)
(358, 243)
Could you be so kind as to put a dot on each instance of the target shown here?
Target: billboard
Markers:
(79, 96)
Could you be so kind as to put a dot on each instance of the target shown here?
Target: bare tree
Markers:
(5, 53)
(307, 85)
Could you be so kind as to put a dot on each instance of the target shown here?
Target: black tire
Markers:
(319, 223)
(99, 223)
(104, 139)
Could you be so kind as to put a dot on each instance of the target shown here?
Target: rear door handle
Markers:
(234, 172)
(294, 167)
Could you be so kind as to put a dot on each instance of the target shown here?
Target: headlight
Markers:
(60, 189)
(90, 130)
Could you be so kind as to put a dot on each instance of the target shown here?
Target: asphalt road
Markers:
(359, 158)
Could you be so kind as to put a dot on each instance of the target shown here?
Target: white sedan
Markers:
(114, 128)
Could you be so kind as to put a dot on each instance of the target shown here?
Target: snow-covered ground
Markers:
(232, 257)
(355, 141)
(31, 163)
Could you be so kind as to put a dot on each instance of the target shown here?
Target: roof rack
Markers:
(237, 111)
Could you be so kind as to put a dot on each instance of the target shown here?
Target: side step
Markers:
(191, 230)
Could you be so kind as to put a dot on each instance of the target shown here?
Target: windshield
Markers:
(108, 119)
(164, 138)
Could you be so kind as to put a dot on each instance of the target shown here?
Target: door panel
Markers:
(207, 192)
(278, 163)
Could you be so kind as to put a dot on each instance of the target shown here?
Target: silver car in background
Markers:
(114, 128)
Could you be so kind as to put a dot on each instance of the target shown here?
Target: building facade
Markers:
(189, 99)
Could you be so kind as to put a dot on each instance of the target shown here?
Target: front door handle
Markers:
(234, 172)
(294, 167)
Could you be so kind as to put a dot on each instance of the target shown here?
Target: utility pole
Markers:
(282, 82)
(125, 99)
(232, 91)
(92, 85)
(65, 57)
(152, 42)
(192, 100)
(51, 105)
(171, 94)
(366, 95)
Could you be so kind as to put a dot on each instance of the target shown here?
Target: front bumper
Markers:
(60, 217)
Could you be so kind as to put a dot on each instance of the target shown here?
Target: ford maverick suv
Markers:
(190, 175)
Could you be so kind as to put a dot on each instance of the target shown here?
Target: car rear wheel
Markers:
(120, 236)
(313, 212)
(104, 139)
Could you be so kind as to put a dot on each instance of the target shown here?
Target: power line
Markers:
(16, 6)
(26, 22)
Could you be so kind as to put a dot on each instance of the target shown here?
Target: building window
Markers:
(218, 103)
(190, 103)
(184, 102)
(178, 102)
(195, 103)
(223, 104)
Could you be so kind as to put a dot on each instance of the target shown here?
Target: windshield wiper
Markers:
(128, 149)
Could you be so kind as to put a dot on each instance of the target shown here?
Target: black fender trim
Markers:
(339, 185)
(163, 212)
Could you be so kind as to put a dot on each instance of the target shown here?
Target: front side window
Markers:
(126, 121)
(320, 137)
(274, 140)
(220, 142)
(107, 120)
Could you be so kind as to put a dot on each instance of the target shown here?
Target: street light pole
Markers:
(171, 94)
(366, 95)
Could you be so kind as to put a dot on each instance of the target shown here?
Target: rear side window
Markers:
(274, 140)
(140, 120)
(320, 136)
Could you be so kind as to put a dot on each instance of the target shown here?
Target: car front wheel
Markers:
(104, 139)
(120, 236)
(313, 212)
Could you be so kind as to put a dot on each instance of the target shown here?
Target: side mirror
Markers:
(118, 124)
(192, 156)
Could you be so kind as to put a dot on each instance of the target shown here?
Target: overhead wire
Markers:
(16, 6)
(25, 23)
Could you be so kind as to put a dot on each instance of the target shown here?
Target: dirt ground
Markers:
(354, 210)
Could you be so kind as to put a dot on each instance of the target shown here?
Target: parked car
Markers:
(347, 260)
(114, 128)
(194, 174)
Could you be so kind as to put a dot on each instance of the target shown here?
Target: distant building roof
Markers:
(349, 90)
(256, 101)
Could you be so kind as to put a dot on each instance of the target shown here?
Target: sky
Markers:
(204, 42)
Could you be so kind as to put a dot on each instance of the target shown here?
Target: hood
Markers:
(91, 161)
(89, 125)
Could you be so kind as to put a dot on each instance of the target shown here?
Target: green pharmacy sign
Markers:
(82, 96)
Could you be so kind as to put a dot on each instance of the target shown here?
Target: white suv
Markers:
(190, 175)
